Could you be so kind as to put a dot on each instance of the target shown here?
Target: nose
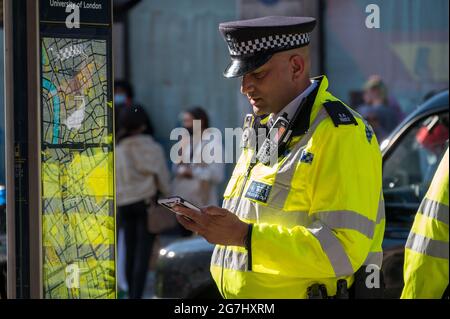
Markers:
(247, 85)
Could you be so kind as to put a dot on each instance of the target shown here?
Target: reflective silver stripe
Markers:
(427, 246)
(266, 214)
(236, 260)
(233, 259)
(246, 209)
(226, 203)
(217, 256)
(333, 248)
(229, 203)
(279, 192)
(346, 219)
(285, 173)
(434, 209)
(374, 258)
(381, 212)
(352, 220)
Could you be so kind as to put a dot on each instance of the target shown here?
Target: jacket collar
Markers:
(310, 107)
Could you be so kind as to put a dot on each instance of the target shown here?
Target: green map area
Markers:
(78, 222)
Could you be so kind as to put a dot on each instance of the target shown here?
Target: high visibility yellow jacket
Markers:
(426, 250)
(317, 214)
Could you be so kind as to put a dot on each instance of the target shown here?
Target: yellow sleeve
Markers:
(426, 251)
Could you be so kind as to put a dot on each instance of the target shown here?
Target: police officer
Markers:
(426, 251)
(315, 215)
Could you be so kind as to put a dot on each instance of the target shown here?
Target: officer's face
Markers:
(269, 88)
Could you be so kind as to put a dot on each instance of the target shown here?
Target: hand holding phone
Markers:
(171, 202)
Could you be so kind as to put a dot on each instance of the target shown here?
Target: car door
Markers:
(408, 168)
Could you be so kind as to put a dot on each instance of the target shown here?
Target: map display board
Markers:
(77, 166)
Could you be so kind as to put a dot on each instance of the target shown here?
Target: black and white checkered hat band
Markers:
(270, 42)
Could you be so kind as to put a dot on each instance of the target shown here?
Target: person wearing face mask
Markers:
(196, 181)
(123, 98)
(123, 93)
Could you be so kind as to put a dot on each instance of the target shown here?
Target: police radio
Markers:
(247, 130)
(278, 136)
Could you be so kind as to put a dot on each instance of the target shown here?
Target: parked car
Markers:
(2, 266)
(411, 155)
(182, 270)
(2, 242)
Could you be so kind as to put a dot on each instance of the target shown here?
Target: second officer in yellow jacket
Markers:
(315, 215)
(426, 251)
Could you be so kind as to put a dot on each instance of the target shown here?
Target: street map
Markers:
(77, 166)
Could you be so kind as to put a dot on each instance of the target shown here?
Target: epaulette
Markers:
(339, 113)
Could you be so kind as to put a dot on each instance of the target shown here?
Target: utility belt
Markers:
(319, 291)
(358, 290)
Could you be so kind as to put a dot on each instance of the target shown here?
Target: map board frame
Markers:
(34, 242)
(77, 145)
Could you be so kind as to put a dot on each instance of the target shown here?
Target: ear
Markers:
(297, 64)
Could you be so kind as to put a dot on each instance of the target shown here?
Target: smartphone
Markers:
(170, 202)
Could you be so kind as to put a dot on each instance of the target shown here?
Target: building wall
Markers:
(177, 59)
(409, 50)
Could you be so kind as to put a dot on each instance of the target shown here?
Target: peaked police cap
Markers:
(252, 43)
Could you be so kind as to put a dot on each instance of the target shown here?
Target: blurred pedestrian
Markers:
(376, 103)
(197, 182)
(141, 172)
(123, 93)
(123, 98)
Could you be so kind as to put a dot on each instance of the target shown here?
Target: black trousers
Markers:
(138, 246)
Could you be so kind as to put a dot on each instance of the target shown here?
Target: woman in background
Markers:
(141, 172)
(197, 182)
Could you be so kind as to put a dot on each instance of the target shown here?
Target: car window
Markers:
(409, 168)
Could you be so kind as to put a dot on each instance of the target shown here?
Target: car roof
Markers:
(435, 104)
